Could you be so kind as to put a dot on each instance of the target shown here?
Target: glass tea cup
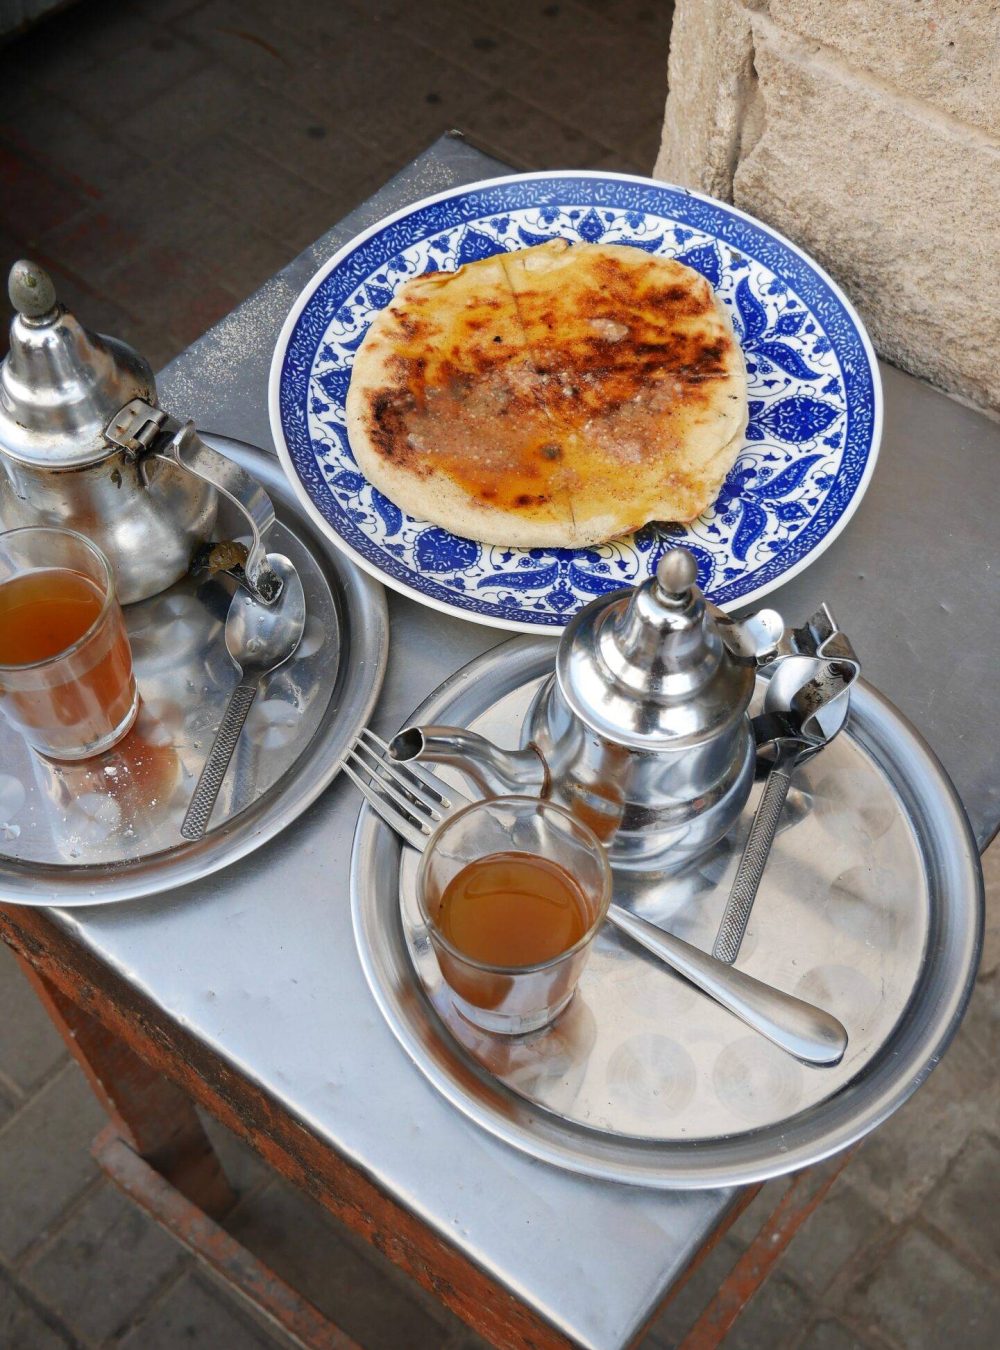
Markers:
(512, 998)
(66, 679)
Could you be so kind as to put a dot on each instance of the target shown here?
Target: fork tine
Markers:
(413, 834)
(430, 815)
(449, 795)
(389, 771)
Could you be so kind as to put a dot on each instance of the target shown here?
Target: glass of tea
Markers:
(66, 679)
(513, 891)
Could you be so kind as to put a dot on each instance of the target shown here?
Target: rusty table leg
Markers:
(215, 1248)
(153, 1117)
(804, 1195)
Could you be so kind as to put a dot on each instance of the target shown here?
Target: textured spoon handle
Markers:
(805, 1031)
(199, 813)
(752, 864)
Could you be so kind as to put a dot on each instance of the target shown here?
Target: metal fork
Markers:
(413, 802)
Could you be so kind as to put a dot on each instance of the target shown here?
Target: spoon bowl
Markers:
(259, 638)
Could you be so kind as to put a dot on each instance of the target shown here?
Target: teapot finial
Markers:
(59, 383)
(676, 573)
(31, 290)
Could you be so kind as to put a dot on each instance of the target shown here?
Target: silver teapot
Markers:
(643, 730)
(84, 445)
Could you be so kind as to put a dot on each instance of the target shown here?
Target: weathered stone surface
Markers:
(828, 1335)
(711, 82)
(46, 1160)
(905, 214)
(903, 1160)
(842, 1227)
(30, 1046)
(946, 53)
(109, 1246)
(878, 152)
(966, 1205)
(6, 1106)
(192, 1315)
(925, 1299)
(21, 1328)
(981, 1028)
(773, 1317)
(991, 941)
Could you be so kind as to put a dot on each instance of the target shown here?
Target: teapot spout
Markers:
(494, 771)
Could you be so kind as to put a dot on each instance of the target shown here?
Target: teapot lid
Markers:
(648, 668)
(59, 384)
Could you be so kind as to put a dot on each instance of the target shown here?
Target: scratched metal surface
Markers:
(259, 960)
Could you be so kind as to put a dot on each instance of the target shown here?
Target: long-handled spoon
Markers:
(259, 638)
(805, 706)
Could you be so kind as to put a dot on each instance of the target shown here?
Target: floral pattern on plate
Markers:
(814, 398)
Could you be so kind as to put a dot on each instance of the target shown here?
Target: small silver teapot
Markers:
(84, 445)
(642, 731)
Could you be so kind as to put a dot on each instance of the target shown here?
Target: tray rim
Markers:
(512, 625)
(899, 1067)
(95, 885)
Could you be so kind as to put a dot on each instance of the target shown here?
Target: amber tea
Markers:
(44, 612)
(65, 665)
(512, 909)
(513, 891)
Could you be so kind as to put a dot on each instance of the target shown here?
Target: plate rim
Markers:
(520, 625)
(899, 1067)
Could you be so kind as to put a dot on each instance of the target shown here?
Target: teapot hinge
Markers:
(136, 427)
(145, 432)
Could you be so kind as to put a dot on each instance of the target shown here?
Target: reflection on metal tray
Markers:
(108, 828)
(871, 907)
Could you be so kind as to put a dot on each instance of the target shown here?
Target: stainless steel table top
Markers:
(259, 960)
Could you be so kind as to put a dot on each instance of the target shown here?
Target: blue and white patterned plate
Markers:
(814, 390)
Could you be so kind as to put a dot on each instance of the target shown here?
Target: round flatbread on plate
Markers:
(560, 396)
(800, 466)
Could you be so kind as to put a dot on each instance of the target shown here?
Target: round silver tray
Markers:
(108, 828)
(871, 906)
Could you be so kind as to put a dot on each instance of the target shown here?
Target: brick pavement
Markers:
(163, 158)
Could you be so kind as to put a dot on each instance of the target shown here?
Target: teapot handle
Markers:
(143, 431)
(188, 451)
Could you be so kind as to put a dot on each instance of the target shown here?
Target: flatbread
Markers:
(562, 395)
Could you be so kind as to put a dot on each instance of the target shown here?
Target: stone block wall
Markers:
(868, 131)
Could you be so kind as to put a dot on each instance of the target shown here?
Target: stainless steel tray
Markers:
(108, 829)
(871, 906)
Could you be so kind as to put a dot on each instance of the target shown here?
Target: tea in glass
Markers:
(513, 891)
(512, 909)
(66, 679)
